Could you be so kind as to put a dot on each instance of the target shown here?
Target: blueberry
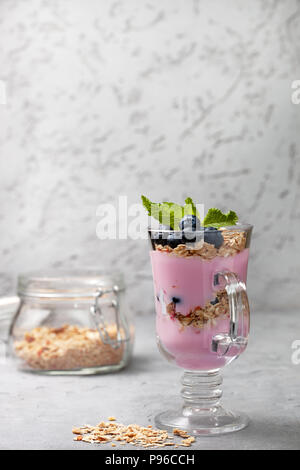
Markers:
(159, 237)
(174, 239)
(189, 236)
(213, 236)
(176, 300)
(215, 301)
(216, 279)
(190, 222)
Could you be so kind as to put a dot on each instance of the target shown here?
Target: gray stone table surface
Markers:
(38, 412)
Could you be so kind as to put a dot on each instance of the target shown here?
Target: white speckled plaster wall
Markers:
(168, 98)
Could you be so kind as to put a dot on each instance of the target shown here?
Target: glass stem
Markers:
(201, 391)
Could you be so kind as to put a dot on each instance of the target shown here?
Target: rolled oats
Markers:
(200, 316)
(180, 432)
(234, 242)
(131, 434)
(66, 348)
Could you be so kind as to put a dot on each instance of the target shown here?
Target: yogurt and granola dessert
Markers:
(191, 305)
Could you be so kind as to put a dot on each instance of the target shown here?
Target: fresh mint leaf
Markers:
(216, 218)
(167, 213)
(146, 203)
(190, 208)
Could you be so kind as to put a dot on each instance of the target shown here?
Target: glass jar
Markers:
(71, 323)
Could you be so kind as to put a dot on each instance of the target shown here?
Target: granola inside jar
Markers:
(71, 323)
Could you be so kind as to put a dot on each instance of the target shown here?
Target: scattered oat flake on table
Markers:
(131, 434)
(188, 441)
(180, 432)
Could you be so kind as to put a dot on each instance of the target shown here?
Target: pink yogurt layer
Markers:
(191, 281)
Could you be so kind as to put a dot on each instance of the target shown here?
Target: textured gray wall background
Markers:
(169, 98)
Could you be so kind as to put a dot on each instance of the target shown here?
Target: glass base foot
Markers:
(213, 421)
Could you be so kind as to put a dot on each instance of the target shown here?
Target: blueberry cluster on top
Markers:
(190, 232)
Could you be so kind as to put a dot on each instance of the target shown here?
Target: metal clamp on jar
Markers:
(71, 323)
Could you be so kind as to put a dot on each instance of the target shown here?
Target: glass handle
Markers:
(98, 317)
(8, 308)
(237, 336)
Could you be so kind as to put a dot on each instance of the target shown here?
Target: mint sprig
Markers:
(170, 214)
(216, 218)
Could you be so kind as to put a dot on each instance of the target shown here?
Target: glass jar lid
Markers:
(69, 284)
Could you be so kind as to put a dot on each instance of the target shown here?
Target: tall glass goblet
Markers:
(202, 319)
